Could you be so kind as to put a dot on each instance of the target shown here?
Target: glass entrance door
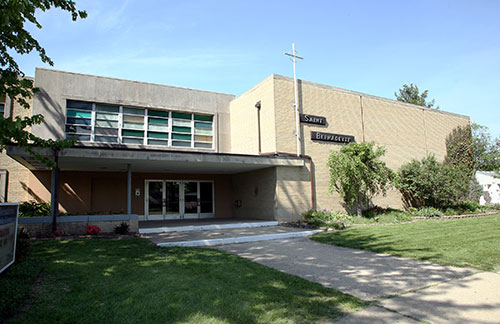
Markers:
(168, 199)
(154, 200)
(172, 200)
(191, 200)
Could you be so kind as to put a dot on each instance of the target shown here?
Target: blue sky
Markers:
(451, 48)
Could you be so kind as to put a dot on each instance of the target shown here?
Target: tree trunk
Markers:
(358, 205)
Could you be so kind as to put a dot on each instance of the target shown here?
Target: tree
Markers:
(460, 149)
(428, 183)
(411, 94)
(487, 150)
(358, 174)
(15, 38)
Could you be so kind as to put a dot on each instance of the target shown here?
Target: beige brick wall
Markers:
(406, 131)
(293, 193)
(244, 130)
(18, 184)
(257, 192)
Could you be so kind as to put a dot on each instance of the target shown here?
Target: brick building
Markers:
(166, 152)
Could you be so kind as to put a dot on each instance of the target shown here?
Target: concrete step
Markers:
(203, 227)
(227, 236)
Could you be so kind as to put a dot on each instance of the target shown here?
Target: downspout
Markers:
(54, 192)
(311, 179)
(258, 105)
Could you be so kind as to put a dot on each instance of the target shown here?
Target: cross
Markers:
(294, 57)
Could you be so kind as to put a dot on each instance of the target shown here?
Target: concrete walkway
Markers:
(402, 290)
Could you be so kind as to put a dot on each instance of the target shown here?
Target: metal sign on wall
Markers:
(8, 234)
(329, 137)
(311, 119)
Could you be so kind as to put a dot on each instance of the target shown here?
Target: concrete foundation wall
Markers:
(42, 226)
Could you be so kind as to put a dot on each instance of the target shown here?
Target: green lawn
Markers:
(133, 281)
(471, 242)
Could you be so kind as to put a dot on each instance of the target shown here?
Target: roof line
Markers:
(134, 81)
(277, 76)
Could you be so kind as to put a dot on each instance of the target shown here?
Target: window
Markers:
(2, 108)
(79, 120)
(103, 123)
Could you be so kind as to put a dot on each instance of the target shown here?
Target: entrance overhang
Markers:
(106, 159)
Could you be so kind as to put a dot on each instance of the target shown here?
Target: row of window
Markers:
(93, 122)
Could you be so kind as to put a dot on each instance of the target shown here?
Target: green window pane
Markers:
(159, 113)
(81, 114)
(203, 145)
(203, 125)
(135, 133)
(158, 121)
(202, 131)
(184, 144)
(157, 142)
(133, 111)
(133, 125)
(158, 135)
(161, 128)
(203, 118)
(104, 116)
(181, 115)
(106, 123)
(133, 119)
(181, 129)
(181, 137)
(129, 140)
(183, 123)
(107, 108)
(79, 105)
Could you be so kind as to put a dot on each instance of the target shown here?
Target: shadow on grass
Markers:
(379, 243)
(133, 281)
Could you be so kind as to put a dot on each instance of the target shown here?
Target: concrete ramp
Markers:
(209, 235)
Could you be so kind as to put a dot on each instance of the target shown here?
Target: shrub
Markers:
(494, 206)
(329, 219)
(122, 229)
(469, 206)
(92, 230)
(428, 183)
(34, 209)
(429, 212)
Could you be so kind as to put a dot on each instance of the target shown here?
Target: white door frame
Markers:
(182, 214)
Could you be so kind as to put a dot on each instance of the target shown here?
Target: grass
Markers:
(133, 281)
(464, 243)
(16, 282)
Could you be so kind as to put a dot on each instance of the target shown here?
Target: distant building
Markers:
(165, 152)
(490, 181)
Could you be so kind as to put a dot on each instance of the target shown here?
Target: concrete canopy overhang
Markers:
(142, 160)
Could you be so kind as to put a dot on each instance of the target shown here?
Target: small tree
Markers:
(411, 94)
(460, 149)
(487, 149)
(429, 183)
(357, 173)
(14, 38)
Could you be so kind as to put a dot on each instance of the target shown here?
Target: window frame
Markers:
(174, 137)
